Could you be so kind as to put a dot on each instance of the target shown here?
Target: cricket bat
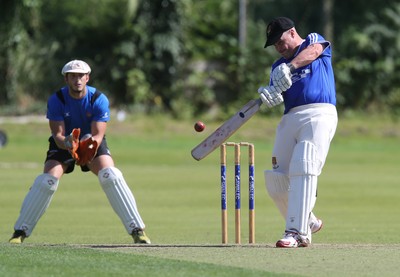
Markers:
(227, 129)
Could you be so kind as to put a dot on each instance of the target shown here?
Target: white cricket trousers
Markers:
(302, 143)
(313, 123)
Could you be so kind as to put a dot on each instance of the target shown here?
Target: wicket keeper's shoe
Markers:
(292, 240)
(139, 236)
(18, 237)
(315, 226)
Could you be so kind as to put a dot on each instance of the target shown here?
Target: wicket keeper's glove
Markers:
(71, 142)
(87, 150)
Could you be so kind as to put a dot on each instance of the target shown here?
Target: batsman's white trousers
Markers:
(314, 123)
(302, 144)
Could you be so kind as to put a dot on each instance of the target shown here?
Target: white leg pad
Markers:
(312, 218)
(303, 174)
(36, 202)
(277, 185)
(301, 191)
(121, 198)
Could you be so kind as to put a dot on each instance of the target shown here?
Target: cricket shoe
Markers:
(18, 237)
(315, 226)
(139, 236)
(293, 240)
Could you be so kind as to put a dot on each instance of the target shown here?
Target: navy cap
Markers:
(276, 28)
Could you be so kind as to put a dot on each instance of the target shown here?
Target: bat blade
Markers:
(227, 129)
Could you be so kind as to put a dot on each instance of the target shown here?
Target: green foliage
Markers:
(220, 76)
(208, 79)
(138, 89)
(184, 57)
(367, 69)
(27, 58)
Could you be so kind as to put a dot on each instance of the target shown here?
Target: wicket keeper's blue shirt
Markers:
(313, 83)
(78, 113)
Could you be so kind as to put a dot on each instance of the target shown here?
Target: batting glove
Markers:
(270, 96)
(282, 76)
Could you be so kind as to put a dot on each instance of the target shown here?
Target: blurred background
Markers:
(188, 58)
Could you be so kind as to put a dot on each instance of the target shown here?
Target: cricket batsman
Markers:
(78, 116)
(303, 80)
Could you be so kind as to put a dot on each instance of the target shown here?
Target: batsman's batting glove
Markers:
(270, 96)
(71, 143)
(282, 76)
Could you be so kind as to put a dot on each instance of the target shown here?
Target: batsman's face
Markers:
(286, 46)
(76, 82)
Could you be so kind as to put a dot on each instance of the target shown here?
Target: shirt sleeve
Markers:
(101, 109)
(55, 109)
(317, 38)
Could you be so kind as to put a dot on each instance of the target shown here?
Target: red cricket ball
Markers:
(199, 126)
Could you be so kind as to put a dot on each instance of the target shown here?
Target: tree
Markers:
(369, 62)
(7, 13)
(185, 57)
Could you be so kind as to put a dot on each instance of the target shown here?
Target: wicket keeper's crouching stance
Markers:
(303, 79)
(78, 109)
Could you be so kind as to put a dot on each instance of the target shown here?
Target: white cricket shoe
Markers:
(315, 226)
(292, 240)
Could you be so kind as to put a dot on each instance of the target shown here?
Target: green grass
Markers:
(178, 198)
(70, 261)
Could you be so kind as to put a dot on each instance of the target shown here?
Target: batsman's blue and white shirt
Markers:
(78, 113)
(313, 83)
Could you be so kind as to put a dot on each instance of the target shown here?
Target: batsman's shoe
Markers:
(315, 226)
(292, 240)
(139, 236)
(18, 237)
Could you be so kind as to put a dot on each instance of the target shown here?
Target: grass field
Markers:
(178, 198)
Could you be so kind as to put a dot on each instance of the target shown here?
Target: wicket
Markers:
(224, 217)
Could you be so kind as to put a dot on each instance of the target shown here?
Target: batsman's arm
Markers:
(308, 55)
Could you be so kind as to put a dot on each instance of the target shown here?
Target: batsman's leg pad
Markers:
(277, 185)
(36, 202)
(303, 174)
(304, 160)
(301, 192)
(121, 198)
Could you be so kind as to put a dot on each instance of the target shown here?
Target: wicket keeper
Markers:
(78, 116)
